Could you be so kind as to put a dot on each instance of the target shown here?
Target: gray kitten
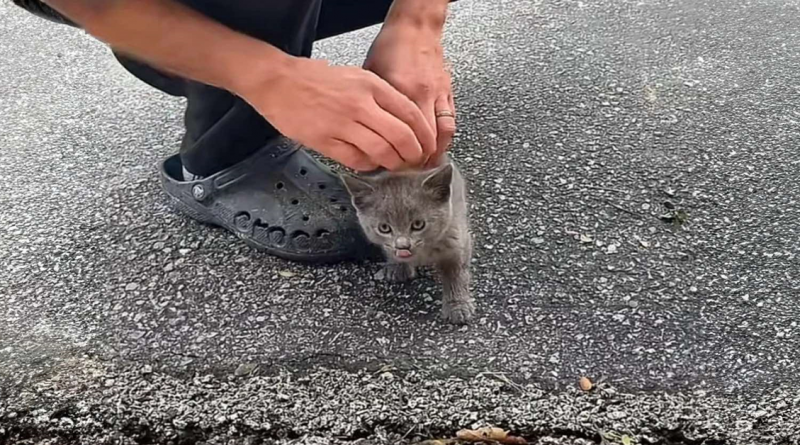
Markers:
(420, 218)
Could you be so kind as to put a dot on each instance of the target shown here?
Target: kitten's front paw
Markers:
(458, 313)
(398, 273)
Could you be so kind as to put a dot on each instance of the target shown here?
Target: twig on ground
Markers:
(622, 209)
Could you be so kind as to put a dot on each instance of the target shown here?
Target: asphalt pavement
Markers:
(633, 171)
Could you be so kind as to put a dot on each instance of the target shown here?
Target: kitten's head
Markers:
(403, 212)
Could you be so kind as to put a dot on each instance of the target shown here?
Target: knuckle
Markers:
(411, 110)
(369, 111)
(353, 70)
(359, 109)
(371, 79)
(421, 90)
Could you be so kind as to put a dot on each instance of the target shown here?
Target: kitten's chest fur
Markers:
(448, 248)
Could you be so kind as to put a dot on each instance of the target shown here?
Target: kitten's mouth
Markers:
(403, 253)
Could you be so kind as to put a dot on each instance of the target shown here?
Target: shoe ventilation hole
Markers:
(279, 186)
(303, 171)
(295, 202)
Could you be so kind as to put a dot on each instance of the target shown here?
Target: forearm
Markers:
(174, 38)
(425, 14)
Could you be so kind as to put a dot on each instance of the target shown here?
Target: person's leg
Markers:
(221, 128)
(342, 16)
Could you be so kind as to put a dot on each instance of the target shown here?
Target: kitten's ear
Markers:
(438, 183)
(359, 190)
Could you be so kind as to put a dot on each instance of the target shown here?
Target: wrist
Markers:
(256, 69)
(427, 15)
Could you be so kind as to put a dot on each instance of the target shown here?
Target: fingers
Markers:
(402, 108)
(349, 155)
(393, 133)
(445, 125)
(429, 110)
(379, 150)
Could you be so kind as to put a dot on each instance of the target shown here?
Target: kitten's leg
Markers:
(458, 306)
(399, 272)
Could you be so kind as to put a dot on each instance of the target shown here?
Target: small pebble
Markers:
(244, 369)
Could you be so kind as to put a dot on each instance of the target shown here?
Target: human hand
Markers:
(411, 59)
(345, 113)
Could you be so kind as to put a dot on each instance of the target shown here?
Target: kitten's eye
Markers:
(418, 225)
(385, 229)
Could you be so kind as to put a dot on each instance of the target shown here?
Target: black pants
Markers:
(222, 129)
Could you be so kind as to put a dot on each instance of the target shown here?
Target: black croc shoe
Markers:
(280, 200)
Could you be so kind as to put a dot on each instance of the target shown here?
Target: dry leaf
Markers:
(586, 238)
(480, 434)
(585, 384)
(286, 274)
(490, 434)
(626, 440)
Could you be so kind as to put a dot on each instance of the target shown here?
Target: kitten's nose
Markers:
(402, 242)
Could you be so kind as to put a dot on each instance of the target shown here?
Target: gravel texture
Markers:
(633, 171)
(93, 404)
